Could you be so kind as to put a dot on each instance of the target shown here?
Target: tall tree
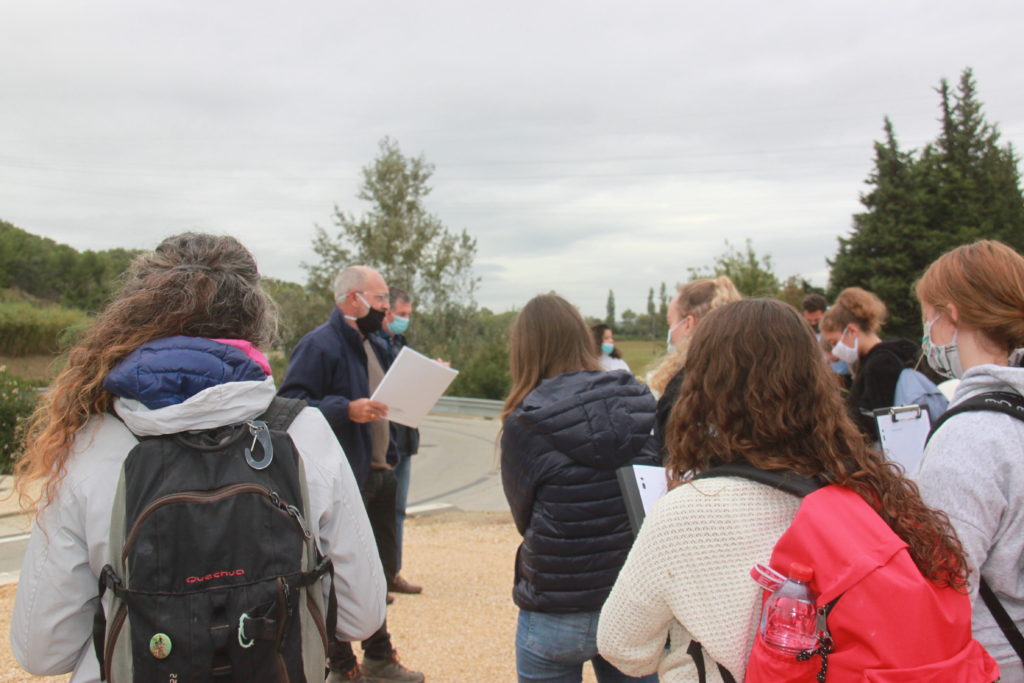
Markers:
(609, 318)
(398, 236)
(753, 275)
(962, 187)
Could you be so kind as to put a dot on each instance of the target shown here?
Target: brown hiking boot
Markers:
(389, 670)
(400, 585)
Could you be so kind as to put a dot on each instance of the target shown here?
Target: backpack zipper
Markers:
(210, 497)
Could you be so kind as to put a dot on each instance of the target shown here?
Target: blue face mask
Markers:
(399, 325)
(607, 349)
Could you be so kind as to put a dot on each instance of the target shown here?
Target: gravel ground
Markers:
(460, 629)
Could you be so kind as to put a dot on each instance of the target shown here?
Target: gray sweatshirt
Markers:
(973, 469)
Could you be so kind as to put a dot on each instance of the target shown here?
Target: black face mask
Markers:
(371, 322)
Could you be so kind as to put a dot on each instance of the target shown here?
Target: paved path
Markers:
(456, 466)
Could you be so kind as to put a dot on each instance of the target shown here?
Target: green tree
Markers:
(752, 275)
(299, 311)
(609, 318)
(398, 236)
(960, 188)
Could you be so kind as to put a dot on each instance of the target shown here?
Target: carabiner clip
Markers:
(241, 632)
(261, 433)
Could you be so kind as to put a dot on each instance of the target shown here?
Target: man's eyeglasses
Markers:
(382, 298)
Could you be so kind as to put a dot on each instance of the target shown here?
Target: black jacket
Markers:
(559, 452)
(874, 384)
(328, 370)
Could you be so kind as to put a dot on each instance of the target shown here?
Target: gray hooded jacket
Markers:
(973, 469)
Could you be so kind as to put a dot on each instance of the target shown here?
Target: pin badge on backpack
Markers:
(160, 646)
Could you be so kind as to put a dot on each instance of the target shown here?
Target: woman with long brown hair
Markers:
(972, 299)
(755, 392)
(567, 427)
(177, 350)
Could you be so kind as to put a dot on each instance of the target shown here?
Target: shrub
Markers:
(27, 329)
(17, 400)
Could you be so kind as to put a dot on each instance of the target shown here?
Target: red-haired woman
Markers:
(972, 299)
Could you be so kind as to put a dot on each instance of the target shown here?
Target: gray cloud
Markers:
(587, 146)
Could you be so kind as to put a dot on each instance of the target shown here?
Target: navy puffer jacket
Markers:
(559, 452)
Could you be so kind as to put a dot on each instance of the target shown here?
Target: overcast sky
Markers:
(587, 146)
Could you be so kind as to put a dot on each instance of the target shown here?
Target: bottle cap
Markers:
(800, 572)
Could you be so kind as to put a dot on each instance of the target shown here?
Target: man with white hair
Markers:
(336, 368)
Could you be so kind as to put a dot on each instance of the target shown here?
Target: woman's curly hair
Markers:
(756, 390)
(196, 285)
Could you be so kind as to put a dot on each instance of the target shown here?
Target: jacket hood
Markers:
(181, 383)
(985, 378)
(599, 419)
(904, 349)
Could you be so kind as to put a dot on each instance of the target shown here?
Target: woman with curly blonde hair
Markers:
(691, 303)
(757, 394)
(177, 350)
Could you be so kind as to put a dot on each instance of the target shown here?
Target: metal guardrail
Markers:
(480, 407)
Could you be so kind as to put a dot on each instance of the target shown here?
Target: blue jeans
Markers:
(553, 647)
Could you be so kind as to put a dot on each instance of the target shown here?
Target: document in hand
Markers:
(903, 431)
(642, 486)
(412, 386)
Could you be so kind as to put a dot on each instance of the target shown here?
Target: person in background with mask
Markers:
(407, 439)
(336, 368)
(604, 343)
(692, 302)
(972, 300)
(852, 325)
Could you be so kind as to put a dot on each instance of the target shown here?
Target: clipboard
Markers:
(903, 431)
(642, 486)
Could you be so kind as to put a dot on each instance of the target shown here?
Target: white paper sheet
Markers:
(412, 386)
(650, 480)
(903, 432)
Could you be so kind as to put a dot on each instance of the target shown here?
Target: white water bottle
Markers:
(789, 622)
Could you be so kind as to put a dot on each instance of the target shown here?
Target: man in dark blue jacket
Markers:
(336, 368)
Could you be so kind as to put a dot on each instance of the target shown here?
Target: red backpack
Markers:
(881, 620)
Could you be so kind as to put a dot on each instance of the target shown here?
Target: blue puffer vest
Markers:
(559, 453)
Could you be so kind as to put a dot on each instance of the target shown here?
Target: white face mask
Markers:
(847, 354)
(945, 358)
(669, 346)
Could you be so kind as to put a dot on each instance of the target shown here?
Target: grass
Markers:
(641, 356)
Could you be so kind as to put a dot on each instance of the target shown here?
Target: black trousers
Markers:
(379, 499)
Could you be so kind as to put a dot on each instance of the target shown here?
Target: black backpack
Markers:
(1012, 404)
(214, 572)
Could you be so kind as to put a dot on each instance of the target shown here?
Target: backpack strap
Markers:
(1005, 402)
(797, 484)
(696, 651)
(1006, 623)
(281, 412)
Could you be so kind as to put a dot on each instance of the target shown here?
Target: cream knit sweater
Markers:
(688, 577)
